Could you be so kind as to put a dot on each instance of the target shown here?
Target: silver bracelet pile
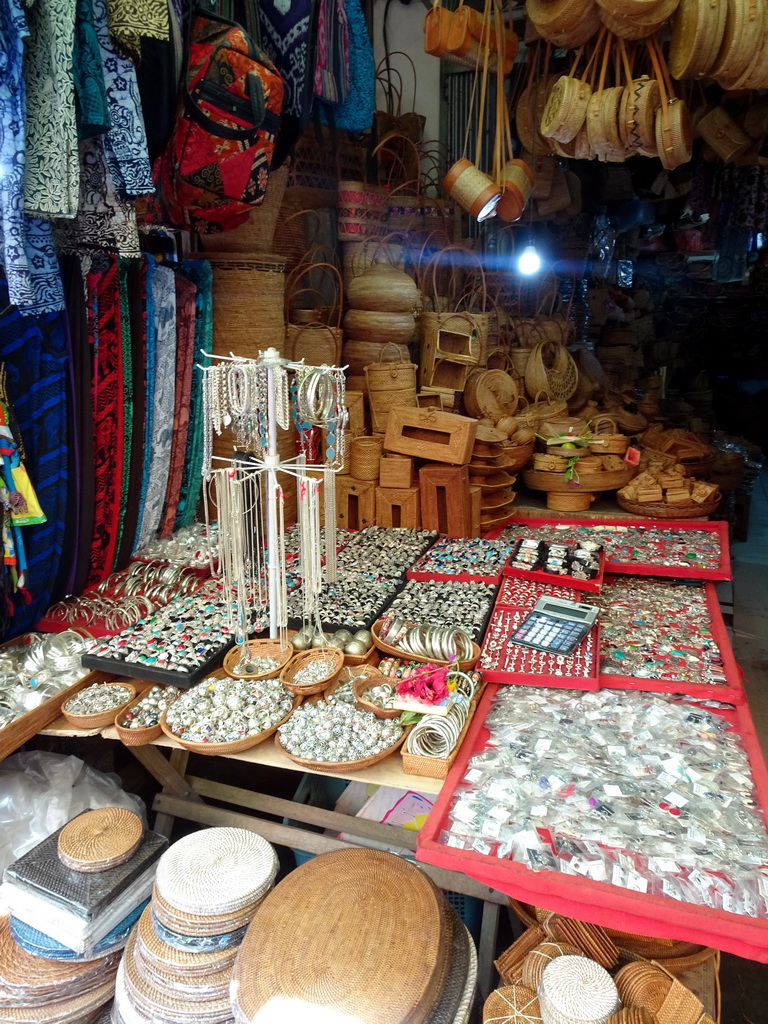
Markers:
(441, 643)
(438, 735)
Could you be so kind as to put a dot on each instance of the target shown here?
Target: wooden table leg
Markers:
(170, 773)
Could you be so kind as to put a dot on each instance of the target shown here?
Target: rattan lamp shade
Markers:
(101, 839)
(216, 870)
(358, 932)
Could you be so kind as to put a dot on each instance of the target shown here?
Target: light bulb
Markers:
(530, 261)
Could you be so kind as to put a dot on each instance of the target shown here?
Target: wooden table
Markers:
(184, 796)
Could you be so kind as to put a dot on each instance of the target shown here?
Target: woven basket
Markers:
(566, 108)
(362, 210)
(299, 230)
(490, 394)
(136, 737)
(398, 652)
(267, 648)
(248, 297)
(341, 766)
(724, 135)
(232, 746)
(472, 189)
(559, 379)
(383, 288)
(577, 501)
(365, 457)
(358, 354)
(519, 358)
(608, 444)
(550, 463)
(697, 35)
(332, 654)
(389, 385)
(360, 686)
(382, 328)
(575, 988)
(673, 510)
(257, 234)
(103, 718)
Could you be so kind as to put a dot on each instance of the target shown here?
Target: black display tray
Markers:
(153, 674)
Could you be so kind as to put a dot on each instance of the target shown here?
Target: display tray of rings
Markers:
(463, 560)
(502, 661)
(436, 645)
(565, 569)
(183, 678)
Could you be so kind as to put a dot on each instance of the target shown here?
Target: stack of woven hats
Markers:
(178, 961)
(355, 935)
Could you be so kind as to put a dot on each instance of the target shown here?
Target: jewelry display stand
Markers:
(252, 398)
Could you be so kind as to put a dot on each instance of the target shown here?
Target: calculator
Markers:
(555, 626)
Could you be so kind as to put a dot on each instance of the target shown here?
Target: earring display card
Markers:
(505, 661)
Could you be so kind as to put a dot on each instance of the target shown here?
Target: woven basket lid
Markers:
(29, 979)
(579, 989)
(320, 953)
(169, 958)
(77, 1010)
(512, 1004)
(200, 925)
(216, 870)
(101, 839)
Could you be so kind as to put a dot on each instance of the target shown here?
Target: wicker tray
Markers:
(663, 510)
(137, 737)
(359, 687)
(103, 718)
(259, 649)
(438, 767)
(398, 652)
(232, 746)
(341, 766)
(606, 480)
(334, 654)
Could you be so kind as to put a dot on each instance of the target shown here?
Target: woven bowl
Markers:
(268, 648)
(341, 766)
(333, 654)
(231, 746)
(398, 652)
(360, 686)
(675, 510)
(137, 737)
(103, 718)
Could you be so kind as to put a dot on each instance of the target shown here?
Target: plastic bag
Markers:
(40, 792)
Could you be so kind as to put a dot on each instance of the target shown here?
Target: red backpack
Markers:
(216, 164)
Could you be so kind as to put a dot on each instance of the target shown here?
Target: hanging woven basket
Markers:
(551, 370)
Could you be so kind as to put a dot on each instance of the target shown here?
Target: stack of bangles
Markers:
(316, 396)
(438, 643)
(438, 735)
(127, 597)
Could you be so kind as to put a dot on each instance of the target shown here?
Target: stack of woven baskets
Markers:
(179, 959)
(565, 970)
(310, 955)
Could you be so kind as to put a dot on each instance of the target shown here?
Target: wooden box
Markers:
(446, 502)
(476, 498)
(431, 434)
(396, 471)
(431, 399)
(398, 506)
(355, 503)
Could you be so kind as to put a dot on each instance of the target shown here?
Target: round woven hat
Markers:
(28, 980)
(512, 1004)
(201, 925)
(359, 932)
(165, 957)
(575, 989)
(101, 839)
(216, 870)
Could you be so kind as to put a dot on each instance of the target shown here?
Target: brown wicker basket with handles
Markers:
(315, 342)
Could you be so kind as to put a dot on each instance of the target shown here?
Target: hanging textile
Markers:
(34, 351)
(355, 114)
(159, 74)
(150, 371)
(104, 220)
(129, 20)
(51, 183)
(332, 56)
(126, 140)
(26, 245)
(186, 296)
(202, 275)
(126, 363)
(137, 290)
(91, 106)
(164, 396)
(104, 332)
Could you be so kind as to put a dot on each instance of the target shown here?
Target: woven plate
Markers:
(318, 953)
(231, 746)
(492, 481)
(200, 925)
(62, 1011)
(100, 840)
(536, 962)
(459, 974)
(26, 979)
(39, 945)
(216, 870)
(492, 500)
(166, 957)
(341, 766)
(512, 1004)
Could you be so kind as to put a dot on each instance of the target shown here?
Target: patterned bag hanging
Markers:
(216, 164)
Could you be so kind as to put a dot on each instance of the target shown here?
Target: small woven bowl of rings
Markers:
(139, 723)
(312, 671)
(374, 692)
(96, 706)
(258, 659)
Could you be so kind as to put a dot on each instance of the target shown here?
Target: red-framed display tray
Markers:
(600, 903)
(731, 691)
(540, 576)
(562, 682)
(203, 571)
(716, 527)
